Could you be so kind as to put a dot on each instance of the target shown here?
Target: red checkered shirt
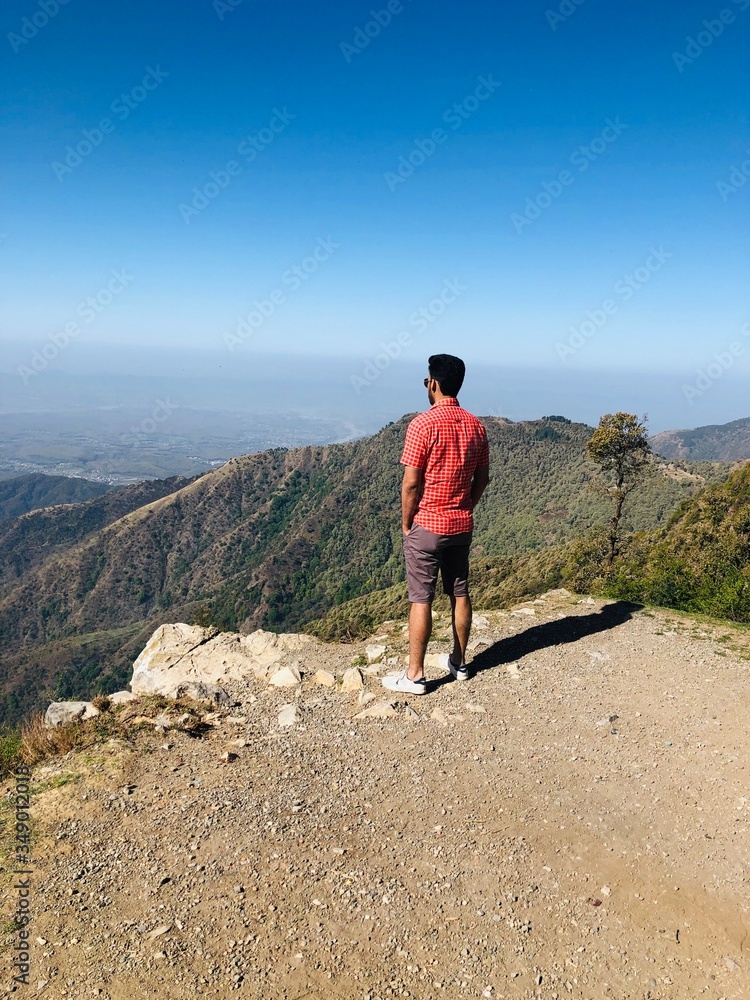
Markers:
(449, 443)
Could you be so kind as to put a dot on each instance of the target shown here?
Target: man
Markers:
(446, 455)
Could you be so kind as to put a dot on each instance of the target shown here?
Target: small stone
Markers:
(287, 715)
(439, 716)
(158, 931)
(325, 678)
(513, 669)
(286, 677)
(121, 697)
(352, 680)
(476, 709)
(227, 757)
(364, 697)
(605, 890)
(520, 612)
(383, 710)
(374, 652)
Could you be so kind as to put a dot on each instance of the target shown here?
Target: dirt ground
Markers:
(570, 822)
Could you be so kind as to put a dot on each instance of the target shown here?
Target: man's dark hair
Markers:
(449, 371)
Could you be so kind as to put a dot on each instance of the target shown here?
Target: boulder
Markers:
(179, 655)
(61, 713)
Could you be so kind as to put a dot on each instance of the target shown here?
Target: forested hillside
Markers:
(24, 493)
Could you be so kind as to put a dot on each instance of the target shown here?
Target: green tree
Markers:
(621, 449)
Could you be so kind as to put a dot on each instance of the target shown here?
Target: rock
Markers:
(439, 716)
(352, 680)
(364, 697)
(519, 612)
(286, 677)
(374, 652)
(476, 709)
(201, 691)
(476, 643)
(558, 592)
(183, 654)
(61, 713)
(480, 621)
(227, 757)
(120, 697)
(287, 715)
(411, 714)
(324, 678)
(158, 931)
(513, 669)
(383, 710)
(438, 661)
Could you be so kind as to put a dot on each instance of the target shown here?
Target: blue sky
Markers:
(538, 235)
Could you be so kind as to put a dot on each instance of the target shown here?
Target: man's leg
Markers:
(461, 620)
(420, 629)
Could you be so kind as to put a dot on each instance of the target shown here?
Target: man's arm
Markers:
(411, 491)
(479, 483)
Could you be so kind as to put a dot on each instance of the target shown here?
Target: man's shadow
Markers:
(555, 633)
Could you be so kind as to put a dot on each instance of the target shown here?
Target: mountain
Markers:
(24, 493)
(712, 443)
(28, 541)
(274, 539)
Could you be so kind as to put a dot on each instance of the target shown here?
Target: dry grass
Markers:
(39, 743)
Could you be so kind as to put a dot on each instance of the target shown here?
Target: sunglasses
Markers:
(427, 381)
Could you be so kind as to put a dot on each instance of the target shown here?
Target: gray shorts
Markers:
(426, 553)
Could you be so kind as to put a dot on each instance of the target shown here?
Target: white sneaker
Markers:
(400, 682)
(459, 673)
